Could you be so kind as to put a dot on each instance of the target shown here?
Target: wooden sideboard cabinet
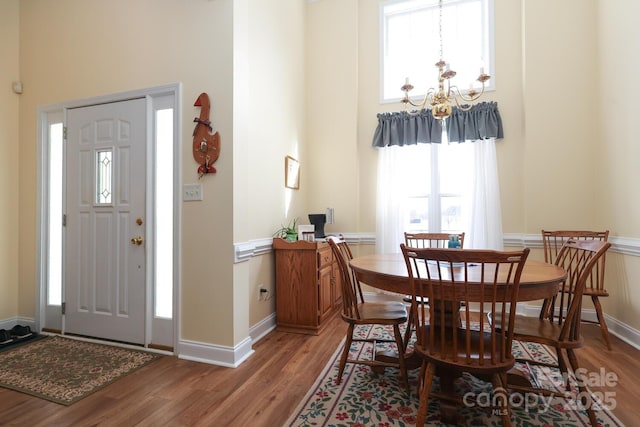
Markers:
(308, 285)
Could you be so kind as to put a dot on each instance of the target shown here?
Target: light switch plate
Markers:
(191, 192)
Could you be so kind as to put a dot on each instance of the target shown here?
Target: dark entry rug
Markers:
(18, 342)
(64, 370)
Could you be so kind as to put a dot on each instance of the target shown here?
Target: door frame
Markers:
(155, 97)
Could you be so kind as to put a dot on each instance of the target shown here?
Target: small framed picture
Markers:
(291, 173)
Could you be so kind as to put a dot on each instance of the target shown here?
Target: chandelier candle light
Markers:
(441, 99)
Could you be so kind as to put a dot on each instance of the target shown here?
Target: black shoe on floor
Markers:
(20, 332)
(5, 337)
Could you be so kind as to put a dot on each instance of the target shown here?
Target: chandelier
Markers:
(442, 98)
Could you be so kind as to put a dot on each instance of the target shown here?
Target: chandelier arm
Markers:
(419, 105)
(467, 98)
(422, 104)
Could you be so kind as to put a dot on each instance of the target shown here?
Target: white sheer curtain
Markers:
(480, 201)
(393, 174)
(485, 227)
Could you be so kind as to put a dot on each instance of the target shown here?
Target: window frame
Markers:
(488, 56)
(434, 193)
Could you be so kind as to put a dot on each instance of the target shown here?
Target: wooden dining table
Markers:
(388, 272)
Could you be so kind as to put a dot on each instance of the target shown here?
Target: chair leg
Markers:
(401, 359)
(582, 389)
(345, 353)
(562, 366)
(544, 310)
(502, 397)
(409, 330)
(429, 371)
(601, 321)
(421, 376)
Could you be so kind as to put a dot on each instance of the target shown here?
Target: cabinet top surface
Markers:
(298, 245)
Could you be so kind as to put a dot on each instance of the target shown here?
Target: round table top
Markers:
(388, 272)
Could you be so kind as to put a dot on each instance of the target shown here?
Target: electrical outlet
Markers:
(263, 293)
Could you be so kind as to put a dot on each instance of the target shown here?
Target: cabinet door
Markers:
(325, 295)
(296, 289)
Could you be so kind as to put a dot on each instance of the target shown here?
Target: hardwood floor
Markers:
(263, 391)
(624, 361)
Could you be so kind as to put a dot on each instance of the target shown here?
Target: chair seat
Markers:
(533, 329)
(382, 312)
(434, 354)
(596, 292)
(544, 331)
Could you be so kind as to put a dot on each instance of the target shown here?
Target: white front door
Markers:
(105, 221)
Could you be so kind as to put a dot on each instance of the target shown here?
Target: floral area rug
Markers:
(64, 370)
(367, 399)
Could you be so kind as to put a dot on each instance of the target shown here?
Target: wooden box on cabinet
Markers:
(307, 285)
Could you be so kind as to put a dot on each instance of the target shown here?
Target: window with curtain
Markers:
(434, 184)
(438, 180)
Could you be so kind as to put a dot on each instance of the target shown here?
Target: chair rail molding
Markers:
(243, 251)
(622, 245)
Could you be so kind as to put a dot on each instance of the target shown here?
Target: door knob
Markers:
(137, 240)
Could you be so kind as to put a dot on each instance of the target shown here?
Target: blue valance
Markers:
(481, 121)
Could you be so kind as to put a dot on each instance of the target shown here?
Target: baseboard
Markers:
(621, 330)
(262, 328)
(381, 296)
(13, 321)
(212, 354)
(230, 357)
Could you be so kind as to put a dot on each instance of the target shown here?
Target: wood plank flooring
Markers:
(263, 391)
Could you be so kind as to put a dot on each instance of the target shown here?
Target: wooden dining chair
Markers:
(431, 240)
(552, 242)
(561, 330)
(452, 346)
(425, 240)
(355, 311)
